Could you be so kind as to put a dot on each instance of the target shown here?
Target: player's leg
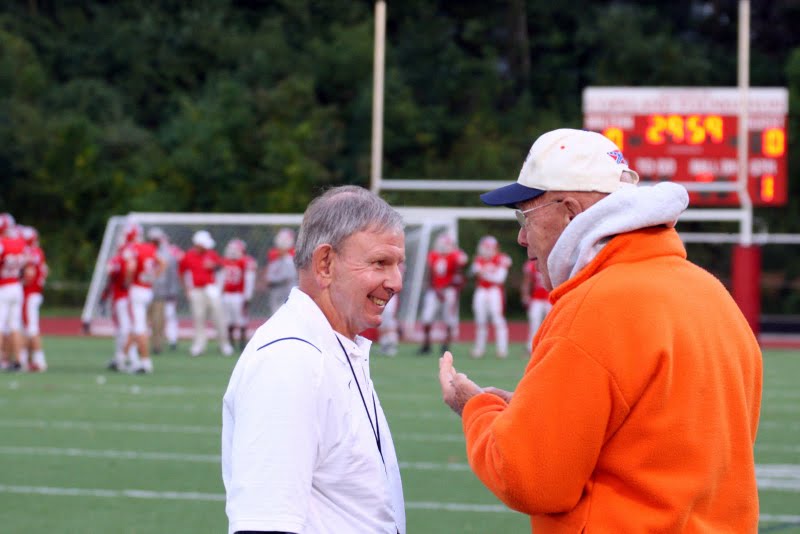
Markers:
(15, 328)
(228, 308)
(171, 323)
(33, 303)
(532, 325)
(219, 319)
(8, 306)
(495, 307)
(389, 337)
(197, 303)
(156, 316)
(449, 316)
(140, 301)
(244, 321)
(430, 305)
(480, 309)
(121, 316)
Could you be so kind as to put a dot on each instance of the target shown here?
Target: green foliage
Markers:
(249, 105)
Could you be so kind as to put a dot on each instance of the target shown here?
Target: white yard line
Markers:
(781, 477)
(219, 497)
(184, 429)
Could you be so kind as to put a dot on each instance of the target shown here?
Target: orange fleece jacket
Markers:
(639, 408)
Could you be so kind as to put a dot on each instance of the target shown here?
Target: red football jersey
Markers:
(235, 271)
(445, 267)
(117, 284)
(537, 289)
(275, 253)
(489, 271)
(12, 259)
(201, 265)
(143, 257)
(36, 271)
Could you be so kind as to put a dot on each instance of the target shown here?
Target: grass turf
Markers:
(84, 450)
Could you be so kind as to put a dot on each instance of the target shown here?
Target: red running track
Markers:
(71, 326)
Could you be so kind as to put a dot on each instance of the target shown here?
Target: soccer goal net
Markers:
(258, 232)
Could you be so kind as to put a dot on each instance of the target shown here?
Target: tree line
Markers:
(254, 105)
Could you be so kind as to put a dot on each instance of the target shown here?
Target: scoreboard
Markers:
(691, 135)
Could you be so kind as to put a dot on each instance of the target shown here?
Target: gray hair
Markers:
(339, 213)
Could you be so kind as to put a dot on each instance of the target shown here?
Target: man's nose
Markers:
(395, 279)
(522, 237)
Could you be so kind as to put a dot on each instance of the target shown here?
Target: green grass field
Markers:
(84, 450)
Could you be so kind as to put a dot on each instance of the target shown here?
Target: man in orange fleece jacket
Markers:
(639, 408)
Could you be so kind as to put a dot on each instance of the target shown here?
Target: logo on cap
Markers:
(617, 156)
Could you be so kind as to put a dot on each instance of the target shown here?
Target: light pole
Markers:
(377, 97)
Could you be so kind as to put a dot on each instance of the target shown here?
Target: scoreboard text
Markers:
(691, 135)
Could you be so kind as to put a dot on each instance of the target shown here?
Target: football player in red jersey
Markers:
(125, 355)
(239, 275)
(389, 330)
(12, 261)
(490, 268)
(142, 266)
(280, 273)
(198, 270)
(535, 298)
(33, 279)
(445, 266)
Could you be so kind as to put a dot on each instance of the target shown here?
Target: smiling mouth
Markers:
(378, 302)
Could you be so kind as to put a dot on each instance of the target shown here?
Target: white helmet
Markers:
(444, 243)
(284, 239)
(203, 239)
(235, 249)
(156, 234)
(132, 231)
(487, 246)
(29, 234)
(6, 222)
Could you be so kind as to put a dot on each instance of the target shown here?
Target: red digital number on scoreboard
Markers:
(677, 144)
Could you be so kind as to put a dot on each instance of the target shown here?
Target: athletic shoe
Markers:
(145, 367)
(227, 350)
(424, 349)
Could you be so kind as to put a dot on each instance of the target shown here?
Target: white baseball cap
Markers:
(566, 160)
(202, 238)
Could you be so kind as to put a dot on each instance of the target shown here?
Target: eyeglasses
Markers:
(521, 214)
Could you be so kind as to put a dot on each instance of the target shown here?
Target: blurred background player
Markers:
(198, 270)
(535, 298)
(490, 268)
(33, 280)
(162, 313)
(126, 355)
(239, 276)
(445, 267)
(389, 330)
(12, 261)
(280, 274)
(142, 266)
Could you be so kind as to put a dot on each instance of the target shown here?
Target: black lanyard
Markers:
(376, 429)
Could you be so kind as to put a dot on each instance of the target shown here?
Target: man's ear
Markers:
(322, 264)
(574, 207)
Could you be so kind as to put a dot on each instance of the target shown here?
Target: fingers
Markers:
(446, 374)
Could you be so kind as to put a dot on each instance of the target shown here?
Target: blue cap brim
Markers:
(510, 195)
